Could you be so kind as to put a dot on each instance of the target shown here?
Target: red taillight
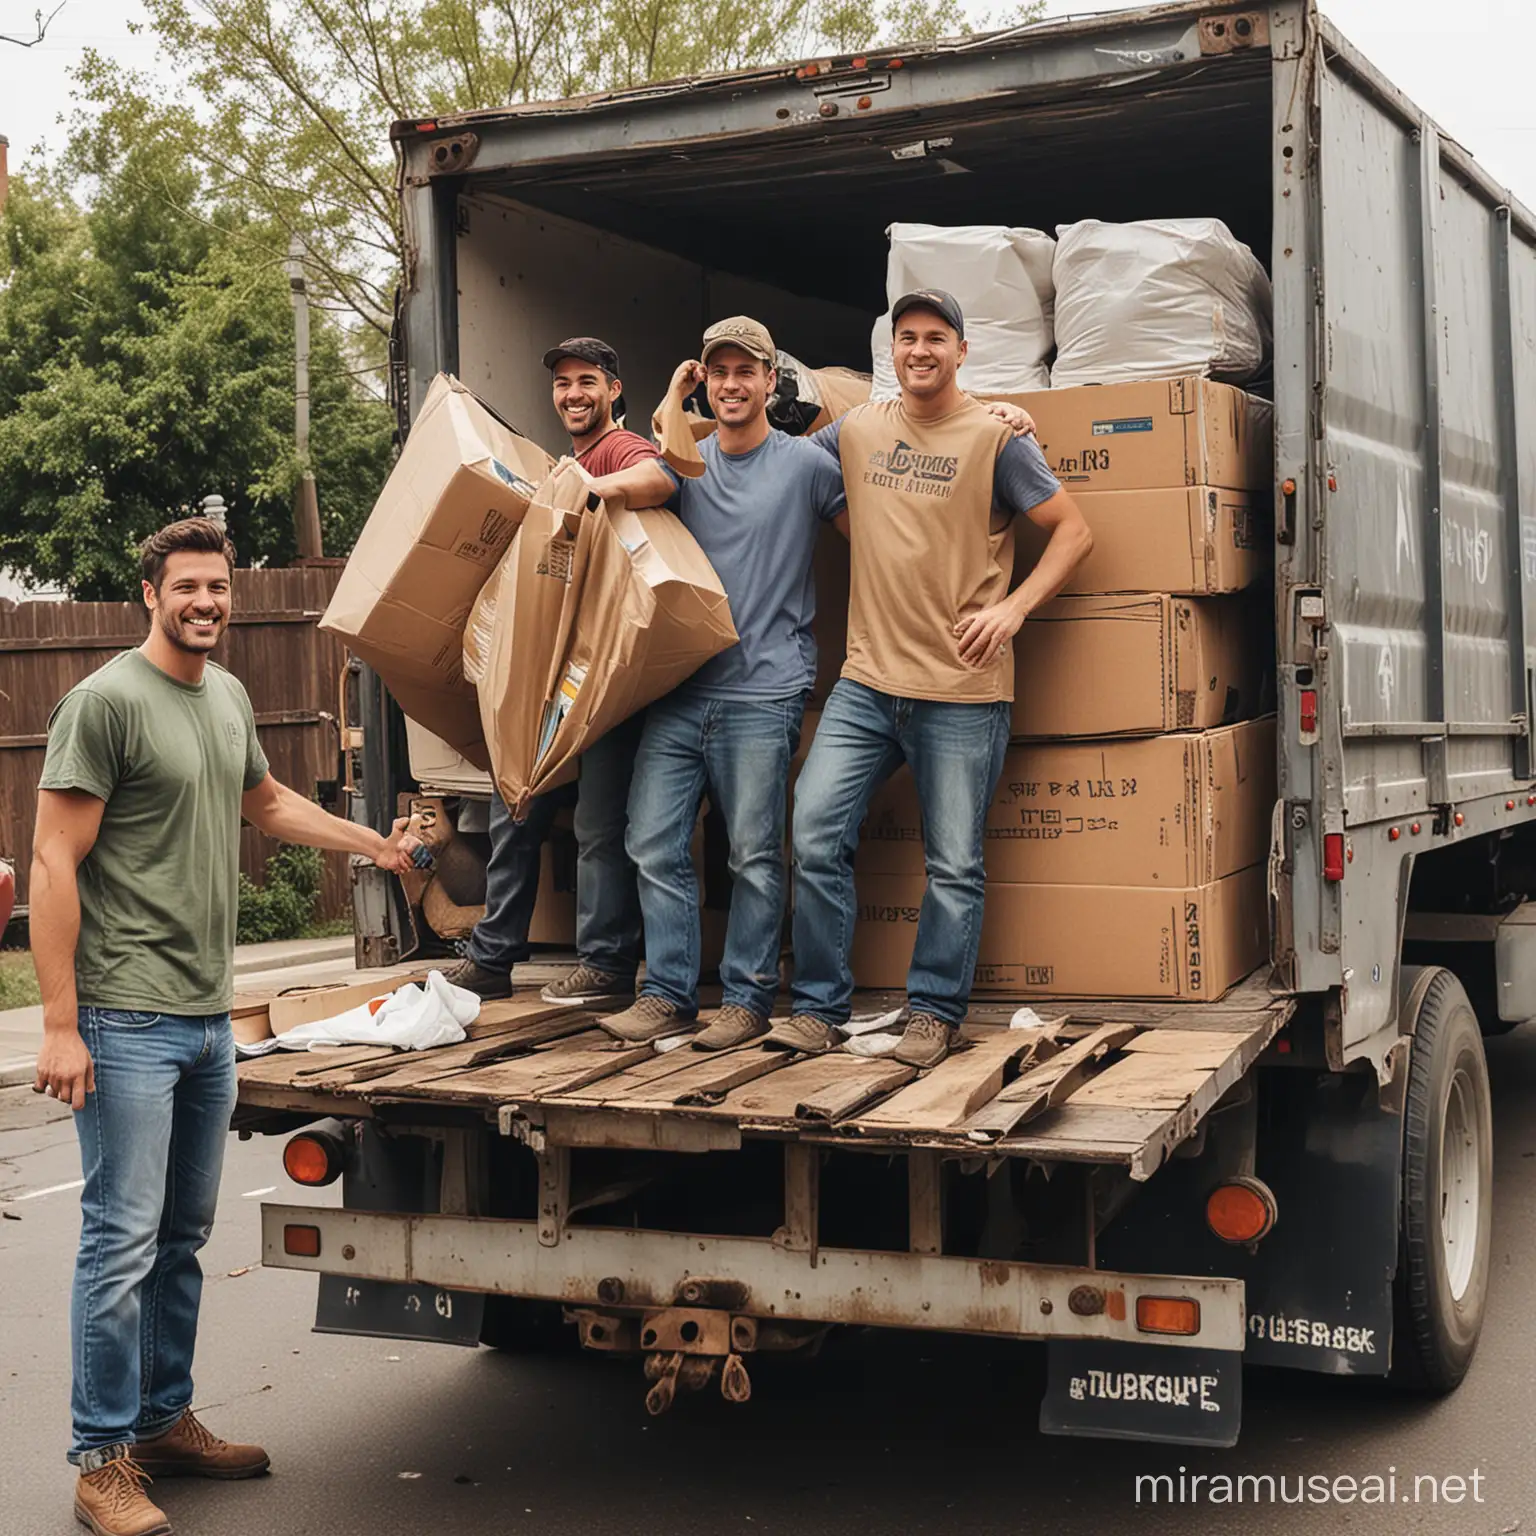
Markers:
(302, 1242)
(1308, 711)
(1167, 1314)
(1333, 856)
(312, 1158)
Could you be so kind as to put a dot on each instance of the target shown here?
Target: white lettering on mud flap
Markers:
(1312, 1334)
(1147, 1387)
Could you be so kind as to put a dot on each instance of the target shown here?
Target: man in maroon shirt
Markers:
(587, 396)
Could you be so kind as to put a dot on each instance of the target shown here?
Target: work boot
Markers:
(926, 1041)
(802, 1032)
(588, 987)
(111, 1501)
(187, 1449)
(647, 1018)
(474, 977)
(732, 1025)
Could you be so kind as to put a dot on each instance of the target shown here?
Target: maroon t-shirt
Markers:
(616, 450)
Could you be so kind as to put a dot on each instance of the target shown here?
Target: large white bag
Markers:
(1157, 299)
(1002, 280)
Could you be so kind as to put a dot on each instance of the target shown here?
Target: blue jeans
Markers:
(956, 755)
(739, 751)
(151, 1147)
(607, 906)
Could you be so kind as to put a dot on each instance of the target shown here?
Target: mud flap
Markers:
(392, 1309)
(1107, 1390)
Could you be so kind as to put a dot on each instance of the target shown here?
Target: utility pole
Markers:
(306, 504)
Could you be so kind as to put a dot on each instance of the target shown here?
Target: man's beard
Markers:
(171, 629)
(599, 421)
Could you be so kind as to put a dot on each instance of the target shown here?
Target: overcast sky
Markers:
(1466, 62)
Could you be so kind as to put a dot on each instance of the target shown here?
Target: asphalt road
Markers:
(884, 1434)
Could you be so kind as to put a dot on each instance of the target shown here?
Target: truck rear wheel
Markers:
(1447, 1188)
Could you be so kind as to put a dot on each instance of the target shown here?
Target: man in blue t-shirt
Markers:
(733, 727)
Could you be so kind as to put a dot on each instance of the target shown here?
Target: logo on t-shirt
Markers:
(904, 468)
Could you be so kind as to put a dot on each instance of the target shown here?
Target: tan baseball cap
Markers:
(740, 331)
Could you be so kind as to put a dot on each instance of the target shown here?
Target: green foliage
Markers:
(287, 103)
(146, 360)
(283, 905)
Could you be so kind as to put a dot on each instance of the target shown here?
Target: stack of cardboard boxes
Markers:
(1126, 849)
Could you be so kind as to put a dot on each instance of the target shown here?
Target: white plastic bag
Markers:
(1158, 299)
(411, 1018)
(1001, 278)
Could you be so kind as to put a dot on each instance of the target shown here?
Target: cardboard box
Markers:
(1191, 539)
(1082, 940)
(1169, 811)
(597, 613)
(1134, 437)
(308, 1004)
(448, 511)
(1139, 665)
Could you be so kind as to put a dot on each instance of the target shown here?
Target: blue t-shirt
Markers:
(1021, 479)
(756, 516)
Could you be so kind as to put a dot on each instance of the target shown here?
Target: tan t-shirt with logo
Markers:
(927, 548)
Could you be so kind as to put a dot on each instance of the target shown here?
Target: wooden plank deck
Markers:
(1118, 1082)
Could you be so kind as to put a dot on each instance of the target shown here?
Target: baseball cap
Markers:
(740, 331)
(945, 305)
(587, 349)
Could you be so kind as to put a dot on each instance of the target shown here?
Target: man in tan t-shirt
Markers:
(934, 483)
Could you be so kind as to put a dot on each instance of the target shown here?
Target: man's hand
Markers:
(1016, 416)
(65, 1070)
(398, 854)
(982, 635)
(687, 378)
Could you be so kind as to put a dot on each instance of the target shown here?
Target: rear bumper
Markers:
(598, 1266)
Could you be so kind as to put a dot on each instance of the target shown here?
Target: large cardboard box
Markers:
(449, 509)
(1183, 539)
(1082, 940)
(597, 613)
(1133, 437)
(1168, 811)
(1139, 664)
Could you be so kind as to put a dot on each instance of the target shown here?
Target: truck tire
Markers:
(523, 1327)
(1447, 1189)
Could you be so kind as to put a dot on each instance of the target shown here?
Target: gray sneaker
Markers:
(732, 1025)
(647, 1018)
(804, 1033)
(475, 978)
(588, 987)
(926, 1042)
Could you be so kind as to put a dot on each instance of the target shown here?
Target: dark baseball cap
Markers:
(587, 349)
(945, 305)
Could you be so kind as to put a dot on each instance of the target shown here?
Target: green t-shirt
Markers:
(160, 888)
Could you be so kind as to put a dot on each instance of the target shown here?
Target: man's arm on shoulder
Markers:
(647, 484)
(1023, 484)
(285, 814)
(68, 821)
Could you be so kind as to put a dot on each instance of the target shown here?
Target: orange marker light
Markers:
(302, 1242)
(1241, 1211)
(1458, 818)
(1167, 1314)
(308, 1160)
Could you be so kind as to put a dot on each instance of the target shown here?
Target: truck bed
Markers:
(1111, 1082)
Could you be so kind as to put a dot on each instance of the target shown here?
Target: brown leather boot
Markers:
(111, 1500)
(186, 1449)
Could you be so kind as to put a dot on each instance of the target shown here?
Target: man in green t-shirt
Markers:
(152, 762)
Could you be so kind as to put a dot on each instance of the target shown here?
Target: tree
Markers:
(294, 98)
(40, 25)
(146, 361)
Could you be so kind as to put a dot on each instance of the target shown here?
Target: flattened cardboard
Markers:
(1181, 539)
(1135, 437)
(678, 435)
(1170, 811)
(596, 615)
(312, 1003)
(1082, 940)
(1139, 665)
(449, 509)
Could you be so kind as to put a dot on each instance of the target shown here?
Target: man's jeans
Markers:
(956, 755)
(739, 750)
(151, 1147)
(607, 906)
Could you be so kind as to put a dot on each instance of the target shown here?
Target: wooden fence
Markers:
(273, 645)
